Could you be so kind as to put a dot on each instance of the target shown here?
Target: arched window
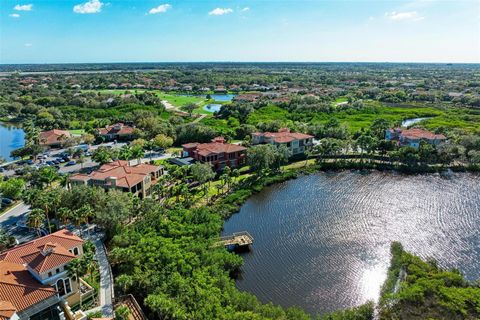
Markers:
(60, 287)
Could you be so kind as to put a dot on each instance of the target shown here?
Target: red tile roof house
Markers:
(137, 179)
(413, 137)
(297, 142)
(34, 281)
(117, 131)
(53, 138)
(218, 153)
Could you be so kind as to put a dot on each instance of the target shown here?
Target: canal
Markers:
(322, 241)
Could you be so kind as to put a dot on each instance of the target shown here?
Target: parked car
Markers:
(55, 161)
(60, 160)
(2, 169)
(30, 161)
(50, 163)
(7, 201)
(66, 158)
(71, 163)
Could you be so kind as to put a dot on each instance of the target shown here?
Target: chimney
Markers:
(218, 140)
(113, 181)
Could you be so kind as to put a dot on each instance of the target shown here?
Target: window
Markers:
(68, 286)
(49, 274)
(57, 270)
(60, 287)
(75, 251)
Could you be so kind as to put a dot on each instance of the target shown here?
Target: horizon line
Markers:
(234, 62)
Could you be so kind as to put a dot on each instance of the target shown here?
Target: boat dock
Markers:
(236, 240)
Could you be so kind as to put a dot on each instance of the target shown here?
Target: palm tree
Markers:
(64, 214)
(74, 269)
(36, 219)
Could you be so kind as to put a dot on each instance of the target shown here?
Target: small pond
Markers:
(212, 107)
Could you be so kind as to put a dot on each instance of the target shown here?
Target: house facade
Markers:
(413, 137)
(137, 179)
(117, 131)
(34, 280)
(217, 153)
(296, 142)
(53, 138)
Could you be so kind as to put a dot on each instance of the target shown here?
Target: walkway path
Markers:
(106, 277)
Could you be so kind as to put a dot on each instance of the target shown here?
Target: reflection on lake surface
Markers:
(11, 138)
(322, 241)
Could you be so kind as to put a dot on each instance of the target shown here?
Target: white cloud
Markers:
(404, 16)
(220, 11)
(160, 9)
(91, 6)
(27, 45)
(23, 7)
(245, 9)
(14, 15)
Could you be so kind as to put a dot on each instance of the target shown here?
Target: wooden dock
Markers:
(238, 239)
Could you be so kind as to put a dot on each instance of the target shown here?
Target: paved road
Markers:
(13, 215)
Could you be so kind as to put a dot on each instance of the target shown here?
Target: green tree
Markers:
(36, 219)
(12, 188)
(162, 141)
(102, 155)
(203, 173)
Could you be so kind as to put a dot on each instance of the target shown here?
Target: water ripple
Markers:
(322, 241)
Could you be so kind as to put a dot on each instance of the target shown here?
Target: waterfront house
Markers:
(53, 138)
(34, 280)
(413, 137)
(296, 142)
(137, 179)
(117, 131)
(217, 153)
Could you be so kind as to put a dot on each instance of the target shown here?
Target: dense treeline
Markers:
(426, 291)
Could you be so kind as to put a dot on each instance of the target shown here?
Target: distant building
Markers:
(53, 138)
(218, 153)
(34, 281)
(297, 142)
(413, 137)
(137, 179)
(248, 97)
(118, 131)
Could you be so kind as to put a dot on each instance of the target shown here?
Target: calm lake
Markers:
(11, 138)
(322, 241)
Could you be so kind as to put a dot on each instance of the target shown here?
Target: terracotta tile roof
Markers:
(205, 149)
(53, 136)
(48, 257)
(417, 133)
(63, 240)
(18, 287)
(117, 128)
(284, 136)
(126, 176)
(190, 145)
(7, 309)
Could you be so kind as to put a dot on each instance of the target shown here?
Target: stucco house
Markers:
(296, 142)
(413, 137)
(137, 179)
(34, 281)
(53, 138)
(117, 131)
(217, 153)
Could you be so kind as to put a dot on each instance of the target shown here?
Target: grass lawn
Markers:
(77, 131)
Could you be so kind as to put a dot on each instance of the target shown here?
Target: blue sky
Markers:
(49, 31)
